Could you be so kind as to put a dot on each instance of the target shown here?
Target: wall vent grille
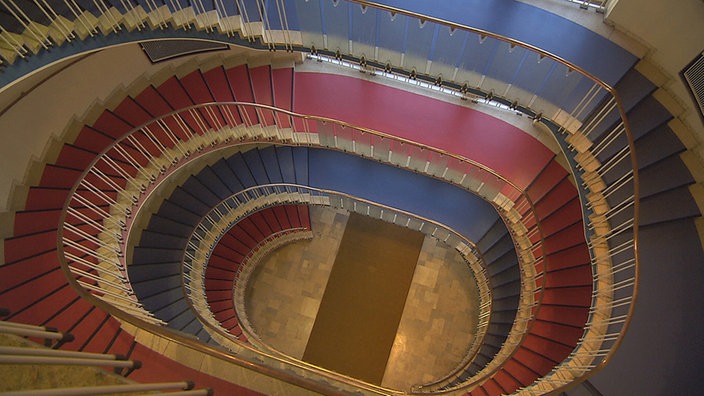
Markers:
(693, 76)
(160, 50)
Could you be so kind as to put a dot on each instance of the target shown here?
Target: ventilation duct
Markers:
(693, 76)
(160, 50)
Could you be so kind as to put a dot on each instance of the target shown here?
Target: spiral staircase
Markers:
(145, 214)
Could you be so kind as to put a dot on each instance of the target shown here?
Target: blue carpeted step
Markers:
(208, 177)
(151, 255)
(272, 164)
(256, 166)
(509, 303)
(511, 274)
(502, 263)
(186, 199)
(633, 87)
(158, 223)
(201, 191)
(500, 248)
(664, 175)
(509, 289)
(493, 236)
(141, 272)
(656, 145)
(240, 168)
(646, 116)
(227, 176)
(156, 282)
(158, 239)
(300, 160)
(286, 165)
(669, 205)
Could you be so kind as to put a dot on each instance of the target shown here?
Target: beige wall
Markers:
(673, 32)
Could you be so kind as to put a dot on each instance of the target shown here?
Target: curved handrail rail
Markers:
(262, 192)
(618, 105)
(115, 25)
(171, 159)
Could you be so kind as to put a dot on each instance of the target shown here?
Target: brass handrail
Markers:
(324, 192)
(627, 130)
(191, 109)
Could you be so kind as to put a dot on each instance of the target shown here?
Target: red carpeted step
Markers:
(89, 328)
(219, 295)
(293, 216)
(493, 388)
(546, 347)
(41, 307)
(563, 334)
(111, 125)
(507, 381)
(256, 224)
(570, 257)
(59, 176)
(246, 233)
(238, 77)
(282, 86)
(270, 217)
(158, 368)
(174, 94)
(132, 112)
(154, 103)
(520, 372)
(45, 198)
(562, 193)
(229, 244)
(232, 324)
(229, 262)
(14, 274)
(566, 238)
(535, 361)
(569, 214)
(26, 246)
(217, 284)
(218, 307)
(217, 273)
(260, 78)
(549, 177)
(217, 81)
(261, 223)
(78, 319)
(304, 216)
(92, 140)
(282, 217)
(100, 340)
(480, 391)
(121, 343)
(575, 276)
(75, 157)
(578, 296)
(199, 92)
(572, 316)
(27, 291)
(28, 222)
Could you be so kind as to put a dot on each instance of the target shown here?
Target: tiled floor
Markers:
(438, 321)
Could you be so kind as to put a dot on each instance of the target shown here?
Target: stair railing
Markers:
(112, 215)
(28, 353)
(237, 207)
(590, 127)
